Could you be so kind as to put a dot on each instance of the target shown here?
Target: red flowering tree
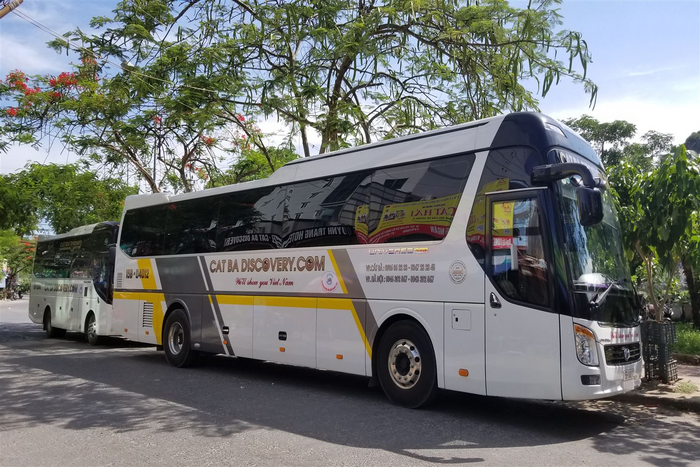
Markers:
(118, 121)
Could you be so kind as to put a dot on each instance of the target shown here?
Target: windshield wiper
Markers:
(600, 297)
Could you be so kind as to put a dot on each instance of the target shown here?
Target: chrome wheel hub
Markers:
(404, 364)
(92, 328)
(176, 337)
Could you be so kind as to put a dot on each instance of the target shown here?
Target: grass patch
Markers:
(688, 339)
(685, 387)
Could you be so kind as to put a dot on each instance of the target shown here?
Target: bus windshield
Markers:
(596, 263)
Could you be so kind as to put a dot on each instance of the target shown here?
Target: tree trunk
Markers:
(650, 281)
(304, 140)
(693, 291)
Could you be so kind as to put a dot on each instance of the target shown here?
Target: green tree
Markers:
(66, 196)
(690, 260)
(692, 143)
(667, 200)
(17, 252)
(178, 79)
(608, 138)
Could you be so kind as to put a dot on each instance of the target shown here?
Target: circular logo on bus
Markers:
(458, 272)
(329, 282)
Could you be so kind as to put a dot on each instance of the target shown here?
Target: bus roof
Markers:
(77, 231)
(467, 137)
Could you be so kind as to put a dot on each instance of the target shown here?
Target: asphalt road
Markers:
(65, 403)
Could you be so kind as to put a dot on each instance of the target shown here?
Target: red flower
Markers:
(241, 118)
(55, 95)
(157, 119)
(64, 79)
(12, 112)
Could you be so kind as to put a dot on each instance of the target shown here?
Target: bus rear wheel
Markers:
(50, 330)
(177, 341)
(406, 365)
(91, 330)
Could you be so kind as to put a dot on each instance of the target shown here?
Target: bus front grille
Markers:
(622, 354)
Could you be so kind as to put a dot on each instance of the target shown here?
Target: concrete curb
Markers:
(691, 404)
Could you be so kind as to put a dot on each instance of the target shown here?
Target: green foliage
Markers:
(66, 196)
(669, 197)
(607, 138)
(692, 143)
(688, 339)
(658, 214)
(252, 165)
(16, 251)
(193, 74)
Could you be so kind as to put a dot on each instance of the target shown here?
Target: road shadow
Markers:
(31, 336)
(130, 389)
(653, 434)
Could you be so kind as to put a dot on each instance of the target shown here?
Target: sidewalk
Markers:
(655, 393)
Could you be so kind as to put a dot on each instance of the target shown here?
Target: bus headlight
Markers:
(585, 345)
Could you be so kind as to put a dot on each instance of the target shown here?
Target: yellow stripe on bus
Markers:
(235, 300)
(149, 282)
(342, 304)
(158, 299)
(337, 271)
(346, 304)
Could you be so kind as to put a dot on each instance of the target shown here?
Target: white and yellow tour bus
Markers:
(71, 287)
(484, 258)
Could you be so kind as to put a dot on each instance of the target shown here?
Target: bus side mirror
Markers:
(590, 205)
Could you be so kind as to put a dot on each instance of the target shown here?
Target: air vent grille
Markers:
(147, 316)
(120, 279)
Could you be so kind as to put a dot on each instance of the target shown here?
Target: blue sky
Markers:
(646, 61)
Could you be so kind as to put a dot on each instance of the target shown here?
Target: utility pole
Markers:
(8, 6)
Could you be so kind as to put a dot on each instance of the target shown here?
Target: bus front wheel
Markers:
(50, 330)
(177, 340)
(91, 330)
(406, 365)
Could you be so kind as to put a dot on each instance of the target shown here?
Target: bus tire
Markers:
(177, 341)
(50, 330)
(91, 330)
(406, 365)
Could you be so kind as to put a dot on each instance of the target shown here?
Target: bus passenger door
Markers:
(522, 332)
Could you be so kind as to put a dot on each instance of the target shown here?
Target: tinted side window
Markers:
(251, 220)
(505, 169)
(415, 202)
(46, 264)
(518, 261)
(190, 226)
(143, 231)
(323, 212)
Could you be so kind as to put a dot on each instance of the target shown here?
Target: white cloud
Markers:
(678, 118)
(18, 156)
(30, 57)
(652, 71)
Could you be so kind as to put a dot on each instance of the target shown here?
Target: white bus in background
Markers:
(484, 258)
(71, 287)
